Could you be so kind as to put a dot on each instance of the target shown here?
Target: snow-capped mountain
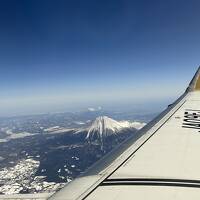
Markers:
(103, 127)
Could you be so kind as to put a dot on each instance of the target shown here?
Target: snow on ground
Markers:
(3, 140)
(21, 177)
(20, 135)
(53, 128)
(80, 123)
(12, 135)
(57, 129)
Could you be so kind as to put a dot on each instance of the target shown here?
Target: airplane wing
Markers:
(164, 163)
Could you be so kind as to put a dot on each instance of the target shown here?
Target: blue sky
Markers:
(59, 55)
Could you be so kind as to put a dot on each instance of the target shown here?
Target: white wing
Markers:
(164, 163)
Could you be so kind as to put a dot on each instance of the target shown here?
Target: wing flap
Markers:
(143, 192)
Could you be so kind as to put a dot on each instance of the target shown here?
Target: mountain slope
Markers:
(104, 127)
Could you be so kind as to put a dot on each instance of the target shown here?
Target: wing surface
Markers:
(164, 163)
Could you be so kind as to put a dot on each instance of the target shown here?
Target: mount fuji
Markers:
(104, 129)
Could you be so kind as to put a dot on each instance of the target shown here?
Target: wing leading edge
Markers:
(163, 163)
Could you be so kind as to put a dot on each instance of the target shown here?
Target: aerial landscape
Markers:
(41, 153)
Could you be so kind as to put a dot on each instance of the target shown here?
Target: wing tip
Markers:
(195, 82)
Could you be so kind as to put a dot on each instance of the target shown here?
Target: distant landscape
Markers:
(41, 153)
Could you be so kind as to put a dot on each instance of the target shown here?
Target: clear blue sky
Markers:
(68, 54)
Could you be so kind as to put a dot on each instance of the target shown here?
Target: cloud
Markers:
(95, 109)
